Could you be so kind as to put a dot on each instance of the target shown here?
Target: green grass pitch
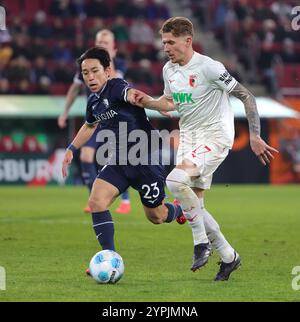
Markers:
(46, 243)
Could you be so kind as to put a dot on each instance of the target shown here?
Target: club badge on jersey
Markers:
(192, 80)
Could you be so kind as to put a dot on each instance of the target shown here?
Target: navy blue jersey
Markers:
(120, 66)
(110, 109)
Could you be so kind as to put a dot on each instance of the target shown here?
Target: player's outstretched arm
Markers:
(143, 100)
(73, 92)
(162, 104)
(261, 149)
(83, 135)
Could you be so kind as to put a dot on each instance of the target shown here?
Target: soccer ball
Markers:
(106, 266)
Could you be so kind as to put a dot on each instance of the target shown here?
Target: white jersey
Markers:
(200, 91)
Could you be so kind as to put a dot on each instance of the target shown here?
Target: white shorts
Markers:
(207, 156)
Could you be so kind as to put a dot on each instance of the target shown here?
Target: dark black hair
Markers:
(96, 53)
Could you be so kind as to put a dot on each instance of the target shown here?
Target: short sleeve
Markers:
(167, 89)
(120, 88)
(216, 73)
(89, 117)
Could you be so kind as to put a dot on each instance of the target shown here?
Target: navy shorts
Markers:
(148, 180)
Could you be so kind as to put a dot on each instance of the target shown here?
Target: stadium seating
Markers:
(26, 11)
(289, 79)
(244, 27)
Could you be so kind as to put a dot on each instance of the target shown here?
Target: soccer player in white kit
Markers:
(198, 87)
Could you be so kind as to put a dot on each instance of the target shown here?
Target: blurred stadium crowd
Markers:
(44, 37)
(259, 34)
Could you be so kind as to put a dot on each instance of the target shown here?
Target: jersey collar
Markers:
(101, 90)
(189, 63)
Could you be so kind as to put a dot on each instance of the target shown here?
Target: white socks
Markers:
(204, 227)
(216, 237)
(178, 183)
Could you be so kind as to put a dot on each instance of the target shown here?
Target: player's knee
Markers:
(97, 205)
(177, 181)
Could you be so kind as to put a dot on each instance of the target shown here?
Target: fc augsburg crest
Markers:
(192, 80)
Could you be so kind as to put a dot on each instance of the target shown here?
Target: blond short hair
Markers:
(178, 26)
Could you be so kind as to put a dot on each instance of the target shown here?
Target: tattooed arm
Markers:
(248, 99)
(261, 149)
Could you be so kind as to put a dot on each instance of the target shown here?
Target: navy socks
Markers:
(104, 229)
(174, 211)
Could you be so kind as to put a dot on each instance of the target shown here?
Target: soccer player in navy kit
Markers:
(109, 105)
(104, 38)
